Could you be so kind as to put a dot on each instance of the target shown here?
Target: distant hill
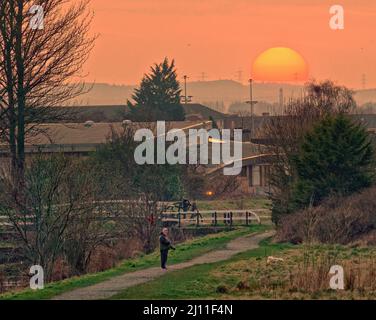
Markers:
(210, 93)
(231, 91)
(365, 96)
(219, 94)
(102, 94)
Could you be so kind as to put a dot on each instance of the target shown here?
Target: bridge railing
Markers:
(205, 218)
(211, 217)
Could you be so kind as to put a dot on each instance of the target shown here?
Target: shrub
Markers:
(336, 158)
(338, 220)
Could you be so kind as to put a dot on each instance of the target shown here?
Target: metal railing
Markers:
(211, 217)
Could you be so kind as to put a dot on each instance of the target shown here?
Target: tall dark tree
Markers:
(158, 97)
(335, 159)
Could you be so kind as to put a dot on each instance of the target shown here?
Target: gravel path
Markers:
(109, 288)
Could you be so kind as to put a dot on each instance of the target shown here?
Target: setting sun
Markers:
(280, 64)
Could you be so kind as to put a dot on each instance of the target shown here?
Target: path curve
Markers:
(111, 287)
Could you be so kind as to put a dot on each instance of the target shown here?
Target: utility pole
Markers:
(281, 106)
(252, 103)
(239, 76)
(186, 98)
(364, 77)
(203, 76)
(364, 81)
(185, 89)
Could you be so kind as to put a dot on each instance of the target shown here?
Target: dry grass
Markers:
(303, 274)
(338, 220)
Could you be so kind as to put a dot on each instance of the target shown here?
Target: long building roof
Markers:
(81, 137)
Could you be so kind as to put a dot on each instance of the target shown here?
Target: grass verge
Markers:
(196, 282)
(185, 251)
(303, 274)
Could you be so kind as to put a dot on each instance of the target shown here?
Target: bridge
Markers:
(215, 218)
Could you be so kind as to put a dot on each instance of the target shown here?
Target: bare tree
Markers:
(222, 185)
(57, 194)
(38, 65)
(139, 219)
(90, 228)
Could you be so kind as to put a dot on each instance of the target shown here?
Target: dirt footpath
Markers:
(111, 287)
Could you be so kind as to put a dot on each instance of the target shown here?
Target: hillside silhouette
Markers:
(218, 94)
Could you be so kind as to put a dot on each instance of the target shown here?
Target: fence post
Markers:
(214, 218)
(197, 219)
(231, 218)
(179, 219)
(246, 219)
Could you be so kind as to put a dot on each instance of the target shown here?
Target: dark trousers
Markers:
(164, 255)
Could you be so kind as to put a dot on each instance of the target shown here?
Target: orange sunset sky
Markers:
(220, 37)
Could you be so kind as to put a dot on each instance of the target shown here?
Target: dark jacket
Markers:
(164, 243)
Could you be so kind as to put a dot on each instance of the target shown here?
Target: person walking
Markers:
(165, 246)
